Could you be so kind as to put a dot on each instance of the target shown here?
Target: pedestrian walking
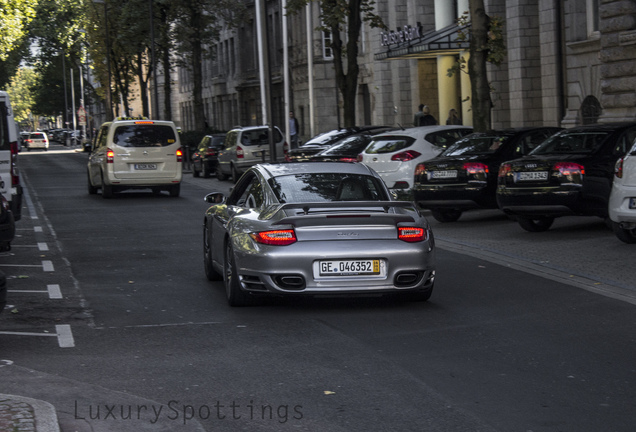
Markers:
(453, 118)
(418, 115)
(294, 128)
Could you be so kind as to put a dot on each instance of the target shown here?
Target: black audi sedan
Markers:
(464, 176)
(571, 173)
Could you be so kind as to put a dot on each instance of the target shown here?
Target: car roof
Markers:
(274, 170)
(420, 131)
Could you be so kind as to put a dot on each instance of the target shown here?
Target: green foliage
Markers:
(22, 98)
(15, 16)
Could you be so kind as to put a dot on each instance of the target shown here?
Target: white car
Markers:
(394, 155)
(622, 202)
(136, 154)
(37, 140)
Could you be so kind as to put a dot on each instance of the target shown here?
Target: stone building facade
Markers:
(568, 62)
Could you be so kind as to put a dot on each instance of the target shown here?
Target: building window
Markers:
(327, 52)
(592, 8)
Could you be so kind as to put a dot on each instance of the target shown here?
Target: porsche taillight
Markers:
(275, 237)
(411, 234)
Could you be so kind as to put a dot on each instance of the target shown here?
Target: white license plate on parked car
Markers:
(349, 267)
(530, 176)
(146, 166)
(444, 174)
(632, 203)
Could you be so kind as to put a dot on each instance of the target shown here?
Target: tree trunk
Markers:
(197, 74)
(480, 92)
(143, 86)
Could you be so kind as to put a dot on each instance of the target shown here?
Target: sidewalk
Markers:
(19, 413)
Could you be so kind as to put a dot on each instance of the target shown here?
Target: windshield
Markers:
(144, 136)
(573, 142)
(327, 137)
(349, 145)
(476, 145)
(323, 187)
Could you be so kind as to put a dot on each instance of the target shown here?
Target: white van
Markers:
(9, 145)
(135, 153)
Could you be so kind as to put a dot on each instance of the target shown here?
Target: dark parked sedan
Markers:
(7, 225)
(327, 139)
(571, 173)
(464, 176)
(346, 150)
(206, 156)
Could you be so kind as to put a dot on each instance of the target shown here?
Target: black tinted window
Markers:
(259, 137)
(321, 187)
(475, 145)
(144, 136)
(573, 142)
(389, 144)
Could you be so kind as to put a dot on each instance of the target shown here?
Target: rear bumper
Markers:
(533, 202)
(619, 210)
(289, 270)
(463, 197)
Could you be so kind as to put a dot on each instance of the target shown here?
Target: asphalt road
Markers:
(140, 340)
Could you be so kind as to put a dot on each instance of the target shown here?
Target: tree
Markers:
(22, 97)
(343, 19)
(486, 45)
(15, 16)
(197, 25)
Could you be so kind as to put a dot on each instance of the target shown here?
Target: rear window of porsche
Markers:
(144, 136)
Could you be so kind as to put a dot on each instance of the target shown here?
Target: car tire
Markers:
(420, 296)
(210, 272)
(175, 190)
(195, 173)
(446, 215)
(539, 224)
(235, 174)
(92, 190)
(236, 297)
(219, 175)
(205, 171)
(625, 235)
(107, 190)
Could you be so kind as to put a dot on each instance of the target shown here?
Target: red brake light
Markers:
(618, 168)
(110, 156)
(420, 169)
(347, 159)
(569, 168)
(179, 155)
(476, 168)
(405, 156)
(210, 152)
(504, 169)
(275, 238)
(359, 158)
(239, 152)
(411, 234)
(144, 122)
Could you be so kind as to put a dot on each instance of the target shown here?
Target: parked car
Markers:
(464, 176)
(622, 201)
(37, 140)
(206, 156)
(571, 173)
(246, 147)
(10, 185)
(319, 228)
(7, 225)
(133, 153)
(325, 140)
(394, 155)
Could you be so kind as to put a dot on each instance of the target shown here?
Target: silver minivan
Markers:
(248, 146)
(136, 154)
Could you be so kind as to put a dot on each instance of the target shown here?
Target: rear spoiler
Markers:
(307, 209)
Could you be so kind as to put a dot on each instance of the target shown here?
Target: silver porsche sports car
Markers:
(321, 228)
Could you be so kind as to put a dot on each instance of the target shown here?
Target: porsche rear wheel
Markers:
(236, 297)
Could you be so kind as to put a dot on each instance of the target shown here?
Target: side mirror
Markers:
(215, 198)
